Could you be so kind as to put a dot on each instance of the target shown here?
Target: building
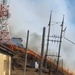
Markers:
(5, 60)
(17, 41)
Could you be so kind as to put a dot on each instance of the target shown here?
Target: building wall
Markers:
(5, 64)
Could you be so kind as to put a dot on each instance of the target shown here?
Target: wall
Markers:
(5, 64)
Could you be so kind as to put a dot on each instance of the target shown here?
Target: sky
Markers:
(33, 15)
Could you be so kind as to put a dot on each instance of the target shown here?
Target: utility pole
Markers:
(62, 65)
(60, 44)
(26, 52)
(48, 40)
(42, 52)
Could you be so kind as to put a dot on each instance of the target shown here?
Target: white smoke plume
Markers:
(34, 14)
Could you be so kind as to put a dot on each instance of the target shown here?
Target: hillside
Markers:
(18, 64)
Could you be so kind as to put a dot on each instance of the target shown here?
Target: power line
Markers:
(69, 40)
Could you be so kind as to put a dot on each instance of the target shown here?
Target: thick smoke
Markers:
(33, 15)
(35, 42)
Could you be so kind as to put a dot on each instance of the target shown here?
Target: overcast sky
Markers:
(33, 15)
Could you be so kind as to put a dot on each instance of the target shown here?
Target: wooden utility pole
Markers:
(42, 52)
(26, 52)
(62, 65)
(60, 44)
(48, 40)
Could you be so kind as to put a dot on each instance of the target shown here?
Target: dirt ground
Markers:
(29, 71)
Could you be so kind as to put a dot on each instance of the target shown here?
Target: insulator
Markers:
(54, 35)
